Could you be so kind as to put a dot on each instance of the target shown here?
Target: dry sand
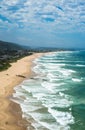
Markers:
(10, 113)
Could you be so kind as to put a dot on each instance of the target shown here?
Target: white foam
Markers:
(52, 77)
(63, 118)
(61, 94)
(51, 86)
(63, 103)
(80, 65)
(76, 80)
(53, 66)
(66, 72)
(37, 69)
(40, 117)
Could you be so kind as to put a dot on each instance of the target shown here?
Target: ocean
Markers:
(54, 99)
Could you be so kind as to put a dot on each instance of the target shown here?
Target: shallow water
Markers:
(55, 97)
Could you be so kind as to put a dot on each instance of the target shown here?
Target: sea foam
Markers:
(48, 99)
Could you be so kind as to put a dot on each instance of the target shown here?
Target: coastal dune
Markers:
(10, 112)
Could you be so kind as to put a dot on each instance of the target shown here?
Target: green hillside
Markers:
(10, 52)
(9, 46)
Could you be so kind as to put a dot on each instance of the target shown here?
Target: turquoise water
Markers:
(54, 99)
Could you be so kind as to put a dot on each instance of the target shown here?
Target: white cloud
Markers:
(9, 2)
(26, 13)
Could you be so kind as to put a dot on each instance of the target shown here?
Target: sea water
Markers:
(54, 99)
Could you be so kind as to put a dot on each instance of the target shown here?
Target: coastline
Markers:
(10, 112)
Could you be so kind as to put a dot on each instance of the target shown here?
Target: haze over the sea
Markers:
(56, 23)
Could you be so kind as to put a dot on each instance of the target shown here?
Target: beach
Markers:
(10, 112)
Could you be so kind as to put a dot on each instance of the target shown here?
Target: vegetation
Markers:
(4, 65)
(10, 52)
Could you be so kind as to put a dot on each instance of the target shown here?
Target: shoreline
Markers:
(10, 112)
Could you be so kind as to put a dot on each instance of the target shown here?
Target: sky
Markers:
(50, 23)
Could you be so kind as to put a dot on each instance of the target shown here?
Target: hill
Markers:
(10, 52)
(9, 46)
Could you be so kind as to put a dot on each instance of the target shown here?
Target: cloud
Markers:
(55, 14)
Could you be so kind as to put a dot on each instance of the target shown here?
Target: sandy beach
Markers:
(10, 112)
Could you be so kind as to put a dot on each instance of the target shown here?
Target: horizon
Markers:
(59, 24)
(43, 47)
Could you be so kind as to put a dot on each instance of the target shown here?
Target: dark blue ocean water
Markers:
(54, 99)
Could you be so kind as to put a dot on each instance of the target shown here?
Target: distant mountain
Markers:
(9, 46)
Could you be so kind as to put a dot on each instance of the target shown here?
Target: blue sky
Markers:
(53, 23)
